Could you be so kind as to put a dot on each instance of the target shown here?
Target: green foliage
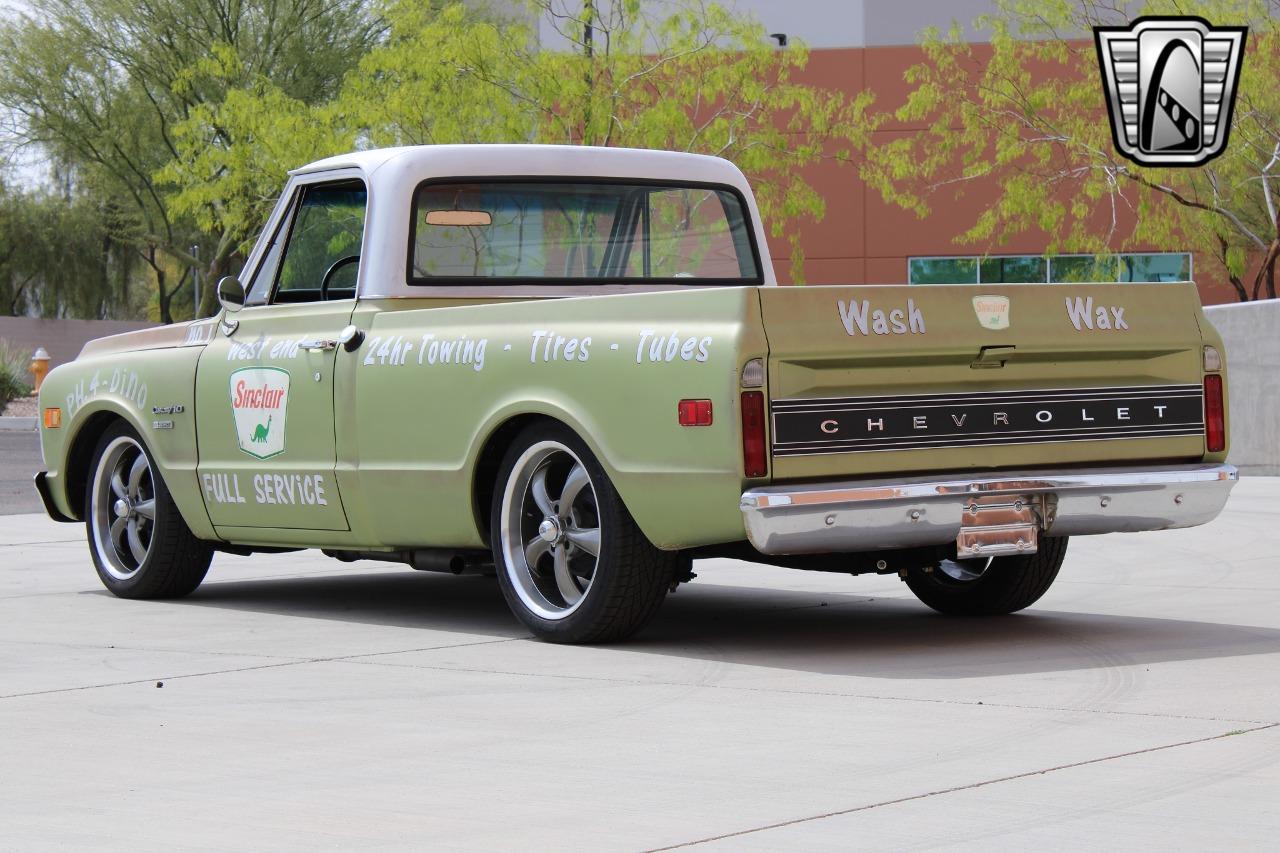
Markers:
(229, 188)
(14, 364)
(100, 86)
(1028, 114)
(683, 75)
(173, 125)
(58, 259)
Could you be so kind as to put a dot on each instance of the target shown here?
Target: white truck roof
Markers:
(392, 174)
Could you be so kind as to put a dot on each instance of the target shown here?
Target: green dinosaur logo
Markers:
(263, 430)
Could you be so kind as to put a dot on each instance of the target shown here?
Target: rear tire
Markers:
(979, 588)
(552, 506)
(141, 546)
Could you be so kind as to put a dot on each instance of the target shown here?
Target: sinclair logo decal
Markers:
(992, 311)
(259, 398)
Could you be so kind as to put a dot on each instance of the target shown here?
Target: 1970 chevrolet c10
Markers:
(572, 366)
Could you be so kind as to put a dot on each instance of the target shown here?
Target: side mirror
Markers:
(231, 294)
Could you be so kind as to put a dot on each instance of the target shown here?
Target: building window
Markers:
(1174, 267)
(944, 271)
(1075, 268)
(1036, 269)
(1016, 269)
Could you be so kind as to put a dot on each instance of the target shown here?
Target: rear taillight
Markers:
(754, 463)
(1215, 421)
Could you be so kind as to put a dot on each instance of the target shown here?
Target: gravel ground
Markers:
(23, 407)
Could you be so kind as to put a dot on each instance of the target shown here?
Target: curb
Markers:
(11, 424)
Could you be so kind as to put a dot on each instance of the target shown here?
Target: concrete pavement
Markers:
(311, 706)
(19, 462)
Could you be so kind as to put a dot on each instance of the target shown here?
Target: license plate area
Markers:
(998, 526)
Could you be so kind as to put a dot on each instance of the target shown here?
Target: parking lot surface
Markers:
(308, 705)
(19, 461)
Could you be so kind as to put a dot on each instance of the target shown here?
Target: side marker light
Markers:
(694, 412)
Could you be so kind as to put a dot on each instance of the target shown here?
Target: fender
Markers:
(128, 386)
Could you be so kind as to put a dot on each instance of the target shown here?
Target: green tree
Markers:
(1026, 113)
(100, 85)
(59, 259)
(684, 75)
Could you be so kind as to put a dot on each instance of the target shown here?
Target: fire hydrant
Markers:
(39, 366)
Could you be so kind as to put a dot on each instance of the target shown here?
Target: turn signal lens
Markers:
(1215, 421)
(753, 454)
(52, 418)
(694, 412)
(1212, 359)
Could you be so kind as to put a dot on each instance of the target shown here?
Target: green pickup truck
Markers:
(572, 367)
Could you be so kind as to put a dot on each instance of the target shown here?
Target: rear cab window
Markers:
(529, 232)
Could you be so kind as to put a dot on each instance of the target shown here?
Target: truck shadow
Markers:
(818, 632)
(898, 638)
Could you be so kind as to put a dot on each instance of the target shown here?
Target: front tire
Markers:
(140, 544)
(990, 586)
(573, 565)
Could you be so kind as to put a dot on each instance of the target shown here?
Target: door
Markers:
(265, 392)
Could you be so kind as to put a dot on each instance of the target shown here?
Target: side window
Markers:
(260, 288)
(322, 252)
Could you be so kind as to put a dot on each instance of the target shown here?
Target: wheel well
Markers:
(80, 457)
(486, 471)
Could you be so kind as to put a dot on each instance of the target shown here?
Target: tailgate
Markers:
(869, 380)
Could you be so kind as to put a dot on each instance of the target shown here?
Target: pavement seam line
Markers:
(357, 659)
(92, 647)
(295, 662)
(786, 692)
(958, 788)
(78, 539)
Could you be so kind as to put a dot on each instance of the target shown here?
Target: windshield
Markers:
(580, 232)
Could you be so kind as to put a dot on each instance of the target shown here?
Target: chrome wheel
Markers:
(123, 507)
(550, 530)
(965, 571)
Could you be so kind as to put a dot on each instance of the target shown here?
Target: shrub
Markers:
(13, 373)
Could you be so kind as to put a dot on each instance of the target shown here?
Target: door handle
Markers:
(350, 338)
(993, 356)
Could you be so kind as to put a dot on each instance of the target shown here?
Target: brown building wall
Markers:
(62, 339)
(864, 240)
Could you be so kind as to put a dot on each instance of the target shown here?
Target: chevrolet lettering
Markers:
(573, 368)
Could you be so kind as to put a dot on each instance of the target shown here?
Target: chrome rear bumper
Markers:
(872, 515)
